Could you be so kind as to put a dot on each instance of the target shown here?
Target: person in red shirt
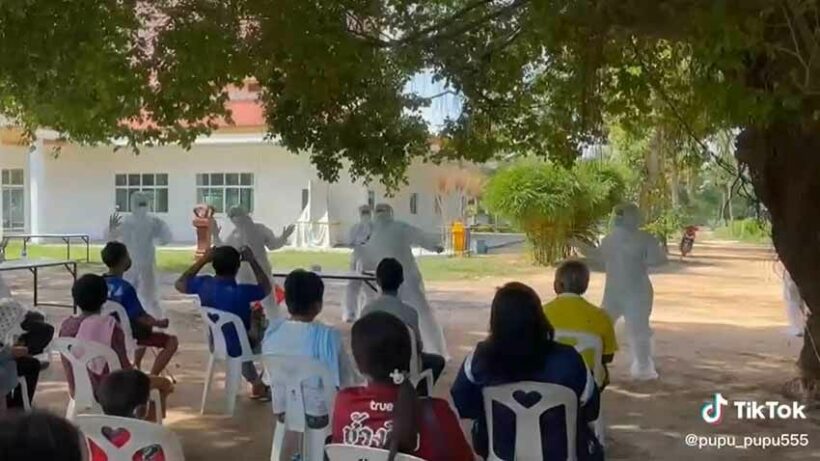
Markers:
(387, 413)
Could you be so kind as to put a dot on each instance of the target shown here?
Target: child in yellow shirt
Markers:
(570, 311)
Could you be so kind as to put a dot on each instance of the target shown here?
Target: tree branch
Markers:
(439, 31)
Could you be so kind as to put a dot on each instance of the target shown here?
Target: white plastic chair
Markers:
(339, 452)
(291, 372)
(585, 343)
(528, 438)
(142, 435)
(417, 375)
(116, 309)
(24, 394)
(220, 352)
(69, 348)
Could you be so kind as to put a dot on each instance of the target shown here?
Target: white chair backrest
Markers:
(291, 372)
(79, 354)
(216, 320)
(585, 343)
(115, 308)
(415, 360)
(339, 452)
(529, 400)
(118, 311)
(142, 434)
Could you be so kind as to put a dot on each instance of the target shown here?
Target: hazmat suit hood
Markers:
(384, 215)
(365, 214)
(140, 204)
(628, 217)
(239, 217)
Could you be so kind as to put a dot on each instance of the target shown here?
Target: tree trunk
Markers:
(729, 198)
(785, 169)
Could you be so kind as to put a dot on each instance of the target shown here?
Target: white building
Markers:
(74, 189)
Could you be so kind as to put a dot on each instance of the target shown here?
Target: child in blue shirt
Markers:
(116, 258)
(222, 292)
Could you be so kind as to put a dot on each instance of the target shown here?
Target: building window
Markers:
(225, 190)
(155, 185)
(305, 198)
(14, 200)
(371, 199)
(414, 203)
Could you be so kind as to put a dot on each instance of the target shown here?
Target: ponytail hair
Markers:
(381, 348)
(406, 414)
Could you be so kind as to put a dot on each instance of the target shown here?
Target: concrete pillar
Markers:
(35, 180)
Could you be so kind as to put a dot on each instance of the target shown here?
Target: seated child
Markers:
(116, 258)
(570, 311)
(90, 292)
(125, 393)
(302, 335)
(40, 436)
(386, 413)
(223, 293)
(390, 276)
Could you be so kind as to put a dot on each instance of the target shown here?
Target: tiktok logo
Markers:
(712, 412)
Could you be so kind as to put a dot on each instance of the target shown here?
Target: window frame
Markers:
(244, 181)
(7, 187)
(142, 187)
(414, 203)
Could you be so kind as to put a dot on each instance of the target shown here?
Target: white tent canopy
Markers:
(316, 227)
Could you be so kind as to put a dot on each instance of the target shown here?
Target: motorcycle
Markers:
(687, 241)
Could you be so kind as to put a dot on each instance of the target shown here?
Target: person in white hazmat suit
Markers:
(627, 253)
(794, 305)
(259, 238)
(141, 232)
(395, 239)
(359, 235)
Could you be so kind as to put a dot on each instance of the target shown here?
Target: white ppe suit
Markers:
(259, 238)
(627, 253)
(354, 297)
(794, 305)
(141, 232)
(395, 239)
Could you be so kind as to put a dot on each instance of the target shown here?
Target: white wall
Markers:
(77, 193)
(12, 157)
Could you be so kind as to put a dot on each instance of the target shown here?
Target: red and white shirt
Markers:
(362, 417)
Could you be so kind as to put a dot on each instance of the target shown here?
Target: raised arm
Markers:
(655, 254)
(216, 238)
(272, 242)
(262, 279)
(114, 230)
(422, 239)
(182, 282)
(588, 250)
(162, 232)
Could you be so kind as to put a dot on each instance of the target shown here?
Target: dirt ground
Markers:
(719, 327)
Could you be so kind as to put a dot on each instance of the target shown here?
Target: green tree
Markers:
(535, 76)
(554, 205)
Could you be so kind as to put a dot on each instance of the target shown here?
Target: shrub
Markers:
(553, 205)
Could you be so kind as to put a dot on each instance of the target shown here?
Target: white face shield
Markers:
(140, 203)
(628, 216)
(384, 213)
(238, 216)
(365, 214)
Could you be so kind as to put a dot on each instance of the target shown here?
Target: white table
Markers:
(66, 238)
(367, 277)
(34, 266)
